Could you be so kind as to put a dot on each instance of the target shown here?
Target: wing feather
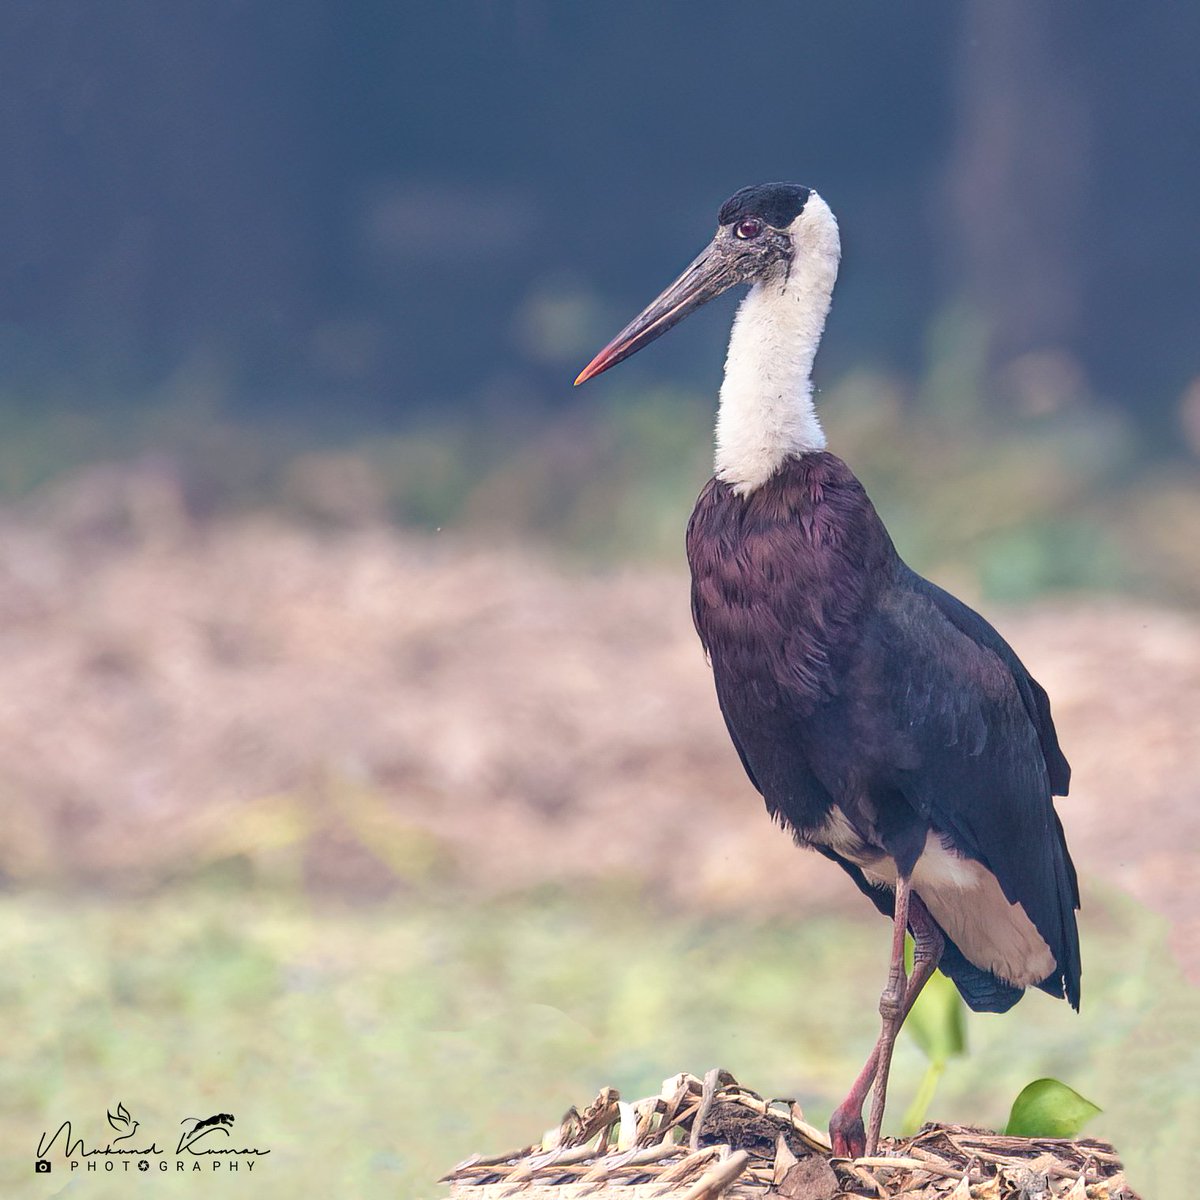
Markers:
(1033, 696)
(980, 756)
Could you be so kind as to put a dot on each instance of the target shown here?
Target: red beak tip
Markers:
(593, 368)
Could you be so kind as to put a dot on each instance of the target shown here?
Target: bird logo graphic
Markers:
(122, 1122)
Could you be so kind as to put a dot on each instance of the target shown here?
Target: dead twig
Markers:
(762, 1149)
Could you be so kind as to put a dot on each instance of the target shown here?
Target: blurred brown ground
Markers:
(380, 711)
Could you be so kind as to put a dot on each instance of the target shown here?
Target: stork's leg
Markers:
(846, 1124)
(891, 1009)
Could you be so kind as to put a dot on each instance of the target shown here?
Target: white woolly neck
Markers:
(766, 411)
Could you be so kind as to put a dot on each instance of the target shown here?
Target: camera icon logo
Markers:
(42, 1166)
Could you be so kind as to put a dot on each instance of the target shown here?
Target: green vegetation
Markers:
(1002, 497)
(1048, 1108)
(938, 1024)
(370, 1048)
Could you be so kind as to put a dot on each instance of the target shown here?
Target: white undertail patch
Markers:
(766, 411)
(963, 896)
(967, 901)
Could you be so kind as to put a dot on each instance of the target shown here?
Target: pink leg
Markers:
(846, 1125)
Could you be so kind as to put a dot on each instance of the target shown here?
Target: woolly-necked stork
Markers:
(885, 723)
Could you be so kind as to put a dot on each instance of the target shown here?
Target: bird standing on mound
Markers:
(885, 723)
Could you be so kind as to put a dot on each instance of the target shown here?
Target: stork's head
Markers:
(762, 233)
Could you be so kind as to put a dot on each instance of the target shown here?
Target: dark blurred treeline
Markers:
(384, 209)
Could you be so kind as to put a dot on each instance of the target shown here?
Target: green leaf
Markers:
(938, 1020)
(914, 1115)
(1048, 1108)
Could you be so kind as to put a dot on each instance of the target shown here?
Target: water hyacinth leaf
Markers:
(938, 1022)
(1049, 1108)
(915, 1114)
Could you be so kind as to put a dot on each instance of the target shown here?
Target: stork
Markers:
(886, 725)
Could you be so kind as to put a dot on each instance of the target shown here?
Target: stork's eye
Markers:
(748, 228)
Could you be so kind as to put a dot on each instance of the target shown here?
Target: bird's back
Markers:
(886, 723)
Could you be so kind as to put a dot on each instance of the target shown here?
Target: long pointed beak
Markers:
(711, 274)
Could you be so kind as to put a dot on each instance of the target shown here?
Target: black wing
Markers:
(1033, 696)
(981, 755)
(982, 990)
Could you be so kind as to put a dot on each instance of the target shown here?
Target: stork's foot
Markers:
(847, 1132)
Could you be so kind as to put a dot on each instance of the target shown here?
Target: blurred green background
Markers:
(359, 772)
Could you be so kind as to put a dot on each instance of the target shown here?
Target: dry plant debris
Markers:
(699, 1139)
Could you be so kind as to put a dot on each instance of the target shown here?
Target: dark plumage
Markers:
(846, 679)
(779, 204)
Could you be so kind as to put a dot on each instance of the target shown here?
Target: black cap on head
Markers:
(779, 204)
